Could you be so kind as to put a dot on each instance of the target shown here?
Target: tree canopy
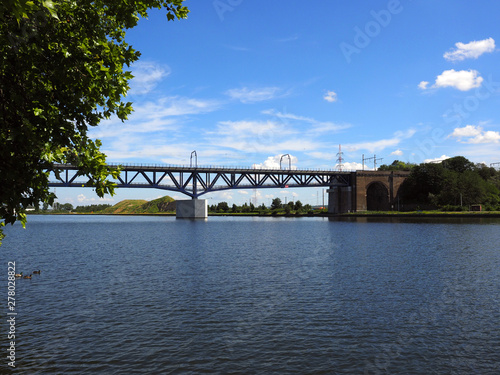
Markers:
(454, 182)
(397, 166)
(63, 70)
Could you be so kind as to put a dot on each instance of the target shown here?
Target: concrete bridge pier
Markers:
(191, 209)
(340, 199)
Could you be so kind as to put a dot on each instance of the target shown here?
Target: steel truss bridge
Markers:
(196, 181)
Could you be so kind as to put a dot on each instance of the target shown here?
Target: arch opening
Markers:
(377, 197)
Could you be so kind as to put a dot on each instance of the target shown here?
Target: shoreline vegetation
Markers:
(166, 206)
(455, 187)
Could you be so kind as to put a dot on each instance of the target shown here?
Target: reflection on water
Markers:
(256, 295)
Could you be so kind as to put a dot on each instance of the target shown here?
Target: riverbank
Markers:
(464, 214)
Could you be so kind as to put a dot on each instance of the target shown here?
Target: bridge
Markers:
(348, 191)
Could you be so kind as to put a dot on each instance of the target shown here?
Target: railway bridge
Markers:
(348, 191)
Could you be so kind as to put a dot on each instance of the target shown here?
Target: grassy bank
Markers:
(424, 213)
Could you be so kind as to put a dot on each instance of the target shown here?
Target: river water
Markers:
(244, 295)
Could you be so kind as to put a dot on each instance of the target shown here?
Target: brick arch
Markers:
(391, 180)
(377, 196)
(384, 183)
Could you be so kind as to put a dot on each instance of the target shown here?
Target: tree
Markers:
(61, 72)
(298, 206)
(396, 166)
(66, 207)
(222, 207)
(276, 204)
(424, 181)
(458, 164)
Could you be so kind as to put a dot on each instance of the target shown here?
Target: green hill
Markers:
(163, 204)
(141, 206)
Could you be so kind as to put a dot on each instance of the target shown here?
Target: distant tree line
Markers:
(453, 184)
(92, 208)
(277, 207)
(68, 207)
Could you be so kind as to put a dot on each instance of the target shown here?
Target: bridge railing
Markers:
(222, 167)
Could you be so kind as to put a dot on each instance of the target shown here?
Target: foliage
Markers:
(62, 70)
(139, 206)
(458, 164)
(456, 182)
(298, 206)
(290, 208)
(222, 207)
(276, 204)
(397, 166)
(92, 208)
(66, 207)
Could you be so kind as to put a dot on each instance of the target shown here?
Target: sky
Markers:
(243, 82)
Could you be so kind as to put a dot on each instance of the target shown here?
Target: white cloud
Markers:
(462, 80)
(383, 143)
(475, 134)
(251, 128)
(152, 130)
(146, 76)
(246, 95)
(291, 38)
(261, 137)
(423, 85)
(83, 199)
(318, 126)
(330, 96)
(471, 50)
(397, 153)
(237, 48)
(175, 106)
(436, 160)
(277, 161)
(467, 131)
(353, 166)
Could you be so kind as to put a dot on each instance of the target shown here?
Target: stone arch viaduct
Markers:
(369, 190)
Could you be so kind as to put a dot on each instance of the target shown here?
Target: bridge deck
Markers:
(196, 181)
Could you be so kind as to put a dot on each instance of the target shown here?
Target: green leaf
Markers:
(63, 71)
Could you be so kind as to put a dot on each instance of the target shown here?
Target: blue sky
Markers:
(243, 82)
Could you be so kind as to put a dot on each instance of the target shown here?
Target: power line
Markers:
(374, 158)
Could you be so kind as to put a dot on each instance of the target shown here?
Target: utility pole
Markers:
(375, 161)
(365, 159)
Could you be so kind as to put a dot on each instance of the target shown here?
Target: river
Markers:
(253, 295)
